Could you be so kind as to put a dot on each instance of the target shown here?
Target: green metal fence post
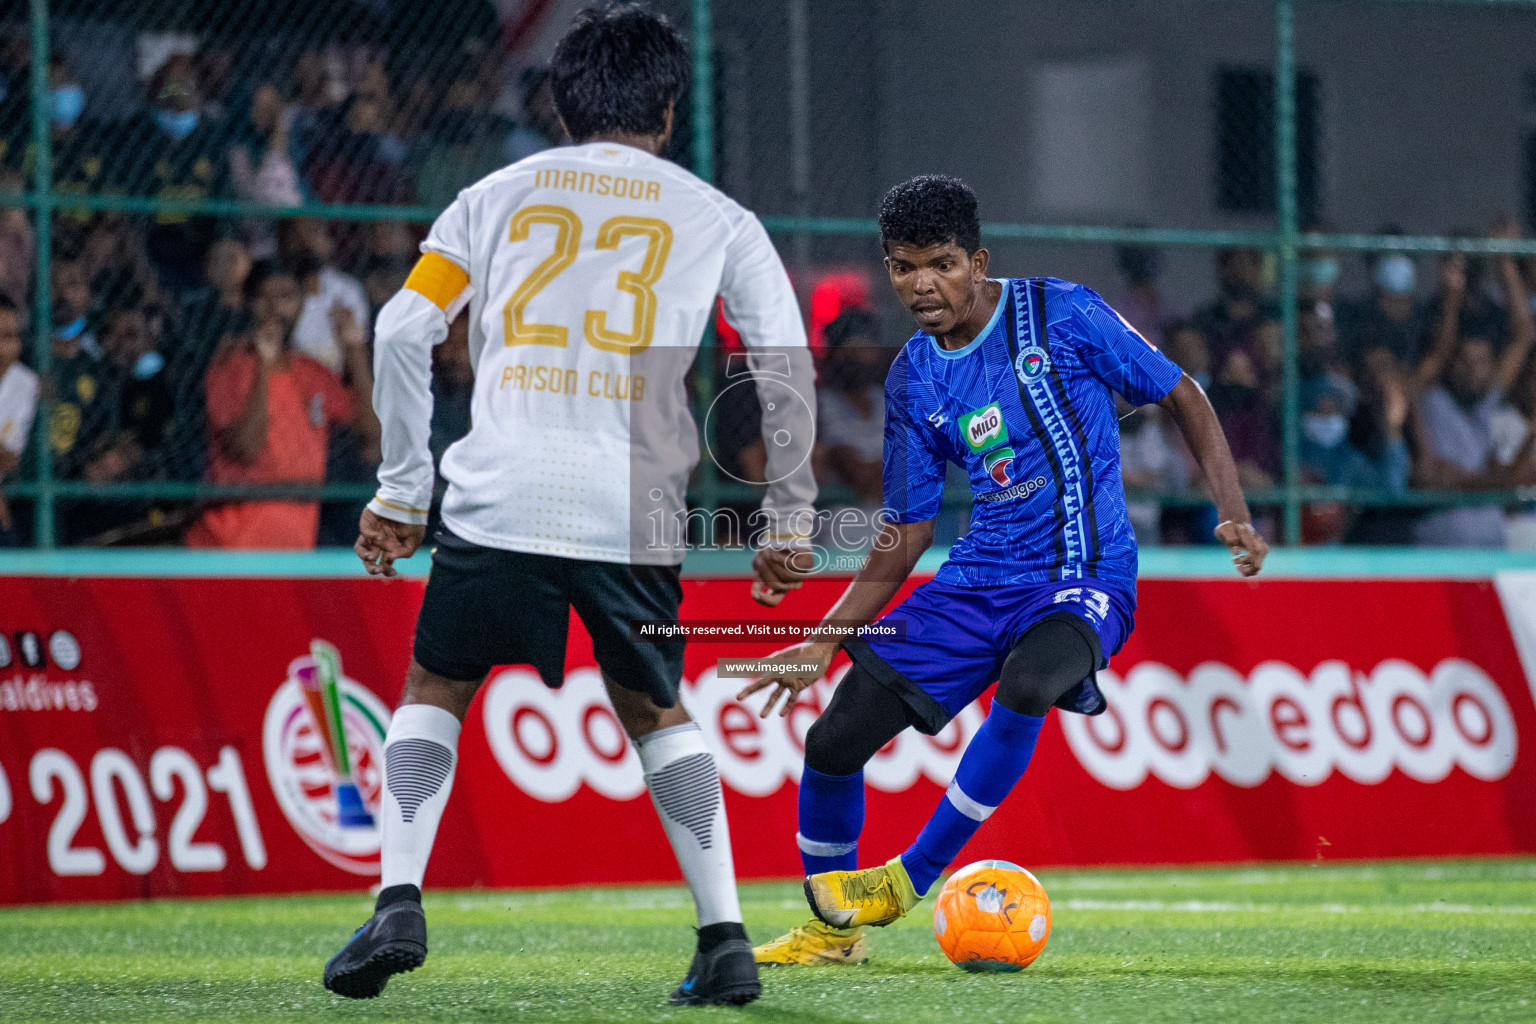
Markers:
(703, 91)
(703, 140)
(42, 310)
(1286, 207)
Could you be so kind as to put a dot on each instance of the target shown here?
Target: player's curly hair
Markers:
(618, 68)
(930, 209)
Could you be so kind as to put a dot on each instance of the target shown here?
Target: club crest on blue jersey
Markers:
(1032, 364)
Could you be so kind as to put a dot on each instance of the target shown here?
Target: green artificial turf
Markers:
(1421, 941)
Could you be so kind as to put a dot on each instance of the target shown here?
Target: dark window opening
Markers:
(1245, 142)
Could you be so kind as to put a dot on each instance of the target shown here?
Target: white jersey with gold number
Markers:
(590, 274)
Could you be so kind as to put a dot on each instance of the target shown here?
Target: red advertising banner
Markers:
(165, 737)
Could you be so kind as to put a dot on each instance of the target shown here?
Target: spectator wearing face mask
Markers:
(139, 393)
(134, 437)
(66, 102)
(1317, 276)
(1466, 380)
(171, 152)
(1328, 456)
(78, 385)
(81, 151)
(71, 291)
(1389, 316)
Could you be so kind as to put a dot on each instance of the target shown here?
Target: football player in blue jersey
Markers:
(1013, 380)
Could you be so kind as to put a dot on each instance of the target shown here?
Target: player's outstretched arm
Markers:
(891, 560)
(1197, 421)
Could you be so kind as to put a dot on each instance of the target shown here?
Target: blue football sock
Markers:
(831, 818)
(991, 766)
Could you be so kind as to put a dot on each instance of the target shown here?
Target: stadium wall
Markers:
(156, 739)
(1419, 117)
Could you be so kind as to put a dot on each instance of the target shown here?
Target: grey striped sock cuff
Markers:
(414, 771)
(688, 792)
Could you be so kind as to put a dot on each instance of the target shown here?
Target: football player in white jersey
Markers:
(588, 275)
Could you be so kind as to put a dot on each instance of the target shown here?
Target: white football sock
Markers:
(685, 786)
(419, 753)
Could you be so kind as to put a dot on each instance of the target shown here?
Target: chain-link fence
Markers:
(1273, 191)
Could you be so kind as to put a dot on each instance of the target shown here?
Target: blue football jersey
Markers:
(1027, 410)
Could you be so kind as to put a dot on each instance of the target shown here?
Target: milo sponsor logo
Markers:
(982, 428)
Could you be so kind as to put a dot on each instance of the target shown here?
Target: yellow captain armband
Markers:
(440, 280)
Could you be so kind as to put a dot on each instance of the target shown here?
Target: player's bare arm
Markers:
(891, 560)
(1192, 411)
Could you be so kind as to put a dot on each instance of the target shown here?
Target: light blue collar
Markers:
(974, 343)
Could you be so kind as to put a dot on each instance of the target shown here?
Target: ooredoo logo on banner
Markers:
(550, 742)
(323, 742)
(1304, 727)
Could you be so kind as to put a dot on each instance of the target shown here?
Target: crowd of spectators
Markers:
(1403, 388)
(1421, 394)
(235, 351)
(227, 350)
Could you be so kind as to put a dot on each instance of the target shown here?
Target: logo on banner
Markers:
(323, 742)
(550, 743)
(1363, 725)
(29, 652)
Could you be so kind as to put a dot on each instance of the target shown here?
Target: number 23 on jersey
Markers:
(639, 284)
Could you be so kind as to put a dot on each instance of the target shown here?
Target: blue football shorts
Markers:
(949, 642)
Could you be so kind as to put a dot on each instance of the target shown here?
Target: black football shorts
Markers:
(486, 607)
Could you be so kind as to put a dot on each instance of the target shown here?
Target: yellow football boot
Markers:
(814, 945)
(874, 896)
